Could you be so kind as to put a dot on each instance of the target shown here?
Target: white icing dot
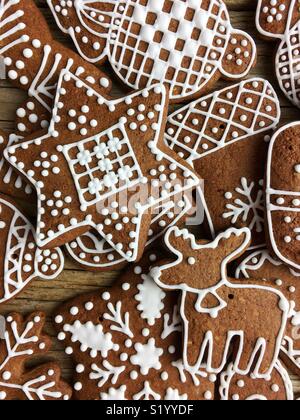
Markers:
(208, 395)
(106, 296)
(172, 349)
(74, 311)
(89, 306)
(78, 386)
(80, 368)
(59, 319)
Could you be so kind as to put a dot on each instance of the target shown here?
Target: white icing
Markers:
(234, 130)
(228, 378)
(147, 356)
(128, 249)
(116, 394)
(116, 24)
(247, 207)
(208, 344)
(22, 260)
(101, 253)
(21, 341)
(270, 193)
(91, 337)
(174, 395)
(287, 55)
(151, 299)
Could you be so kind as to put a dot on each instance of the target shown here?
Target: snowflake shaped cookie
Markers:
(145, 361)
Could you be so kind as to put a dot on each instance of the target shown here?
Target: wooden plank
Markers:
(47, 296)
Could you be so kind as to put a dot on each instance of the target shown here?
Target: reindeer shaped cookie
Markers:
(221, 314)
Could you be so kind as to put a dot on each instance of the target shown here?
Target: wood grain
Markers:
(46, 296)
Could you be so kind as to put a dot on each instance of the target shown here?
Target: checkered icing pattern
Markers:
(221, 118)
(103, 165)
(181, 42)
(288, 64)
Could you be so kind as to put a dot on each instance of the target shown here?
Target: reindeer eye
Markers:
(231, 297)
(191, 261)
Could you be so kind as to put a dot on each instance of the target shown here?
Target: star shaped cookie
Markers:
(103, 165)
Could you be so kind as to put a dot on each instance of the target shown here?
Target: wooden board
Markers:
(46, 296)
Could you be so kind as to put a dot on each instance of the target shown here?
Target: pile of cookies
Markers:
(113, 183)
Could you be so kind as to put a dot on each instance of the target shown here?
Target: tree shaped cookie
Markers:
(219, 312)
(187, 44)
(125, 343)
(34, 61)
(21, 340)
(260, 264)
(85, 167)
(283, 195)
(21, 260)
(279, 21)
(225, 136)
(234, 387)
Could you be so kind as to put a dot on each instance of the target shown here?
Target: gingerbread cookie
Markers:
(260, 264)
(93, 253)
(225, 136)
(34, 61)
(21, 340)
(218, 311)
(283, 195)
(234, 387)
(10, 182)
(186, 44)
(21, 260)
(85, 167)
(124, 342)
(279, 21)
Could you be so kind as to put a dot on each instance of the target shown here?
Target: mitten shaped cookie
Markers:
(125, 343)
(225, 136)
(279, 21)
(21, 340)
(262, 265)
(34, 61)
(219, 312)
(21, 260)
(283, 195)
(186, 44)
